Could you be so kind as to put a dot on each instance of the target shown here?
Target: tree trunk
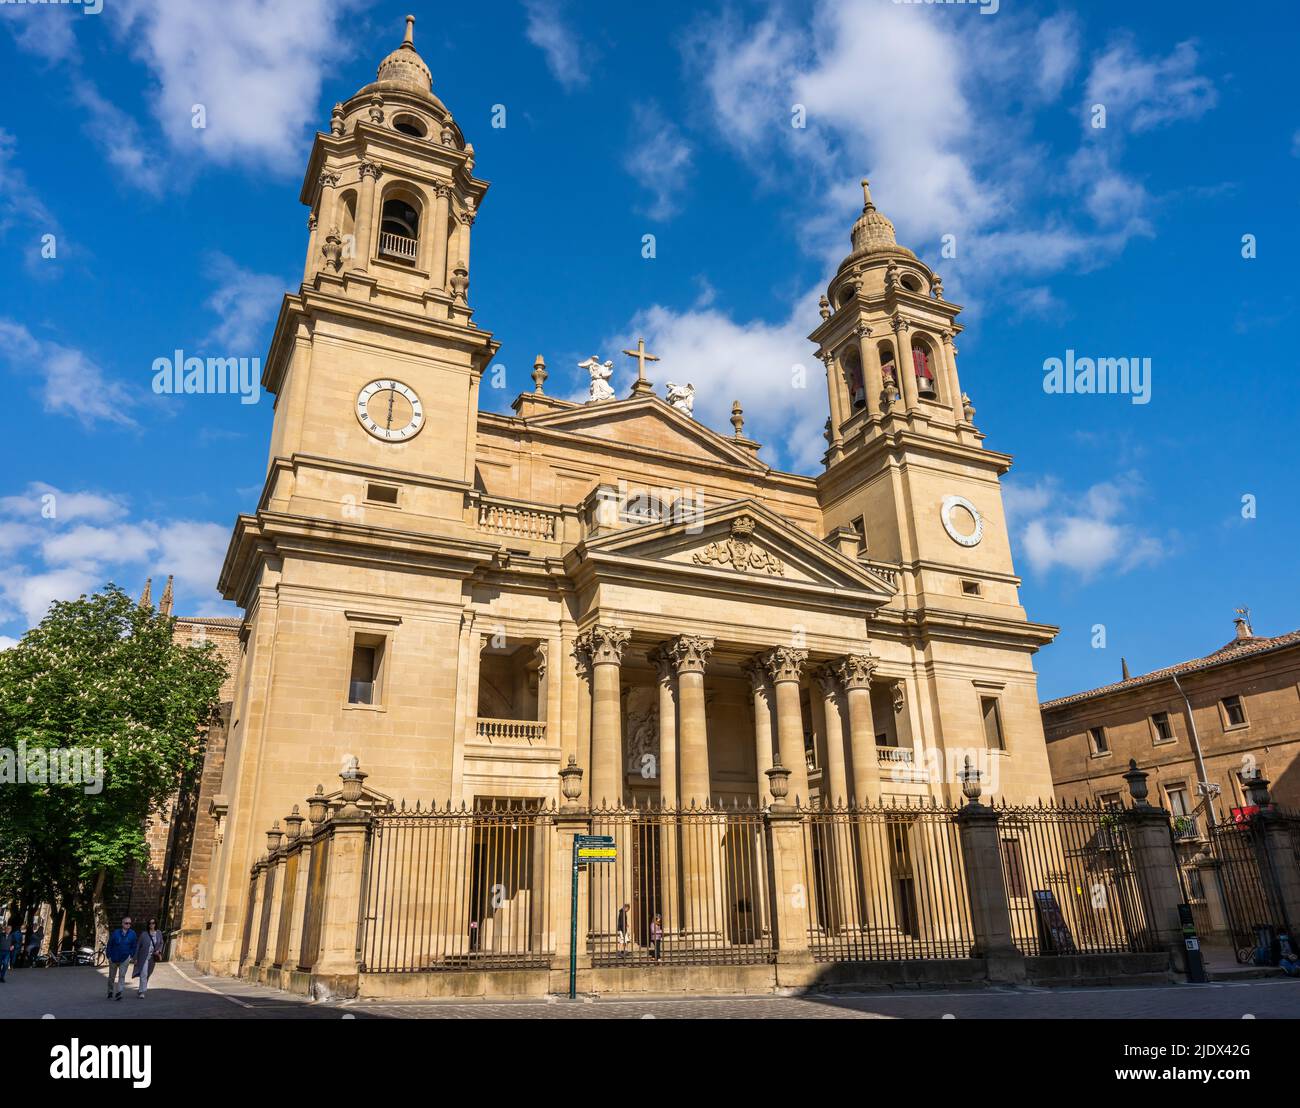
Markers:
(98, 911)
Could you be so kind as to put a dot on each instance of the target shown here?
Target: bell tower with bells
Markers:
(907, 479)
(380, 339)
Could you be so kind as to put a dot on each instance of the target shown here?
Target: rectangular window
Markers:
(1097, 738)
(970, 588)
(1234, 711)
(1014, 865)
(364, 677)
(1110, 800)
(1164, 730)
(381, 494)
(992, 713)
(1178, 802)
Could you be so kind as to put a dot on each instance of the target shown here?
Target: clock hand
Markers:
(392, 395)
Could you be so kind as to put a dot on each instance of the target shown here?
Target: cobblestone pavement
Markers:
(179, 991)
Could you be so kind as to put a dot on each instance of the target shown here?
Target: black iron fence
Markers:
(1071, 883)
(455, 890)
(688, 886)
(885, 884)
(1250, 895)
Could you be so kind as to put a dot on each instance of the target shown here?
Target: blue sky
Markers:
(676, 121)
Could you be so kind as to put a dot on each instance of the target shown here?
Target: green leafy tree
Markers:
(104, 674)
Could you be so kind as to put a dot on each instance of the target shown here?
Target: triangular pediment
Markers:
(744, 540)
(648, 423)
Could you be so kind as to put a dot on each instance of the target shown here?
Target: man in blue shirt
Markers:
(120, 950)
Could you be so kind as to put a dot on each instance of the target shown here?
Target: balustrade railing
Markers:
(397, 246)
(510, 732)
(519, 521)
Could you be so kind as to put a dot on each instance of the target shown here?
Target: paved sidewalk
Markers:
(178, 991)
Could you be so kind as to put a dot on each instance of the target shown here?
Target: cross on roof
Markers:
(642, 385)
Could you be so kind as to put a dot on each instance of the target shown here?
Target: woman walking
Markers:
(147, 951)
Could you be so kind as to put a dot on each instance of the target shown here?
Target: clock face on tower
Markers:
(962, 520)
(390, 410)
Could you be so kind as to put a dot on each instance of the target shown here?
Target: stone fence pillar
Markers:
(1278, 862)
(335, 972)
(788, 876)
(1155, 868)
(990, 914)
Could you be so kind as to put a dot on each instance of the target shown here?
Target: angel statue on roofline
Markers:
(600, 373)
(682, 397)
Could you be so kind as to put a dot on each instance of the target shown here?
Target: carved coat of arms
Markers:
(739, 552)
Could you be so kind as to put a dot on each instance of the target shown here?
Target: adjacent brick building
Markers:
(1240, 705)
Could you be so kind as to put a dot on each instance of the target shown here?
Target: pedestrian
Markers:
(657, 936)
(6, 948)
(147, 951)
(623, 925)
(120, 950)
(1287, 959)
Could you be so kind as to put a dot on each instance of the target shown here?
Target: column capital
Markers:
(854, 670)
(665, 671)
(689, 653)
(784, 663)
(754, 669)
(827, 680)
(601, 645)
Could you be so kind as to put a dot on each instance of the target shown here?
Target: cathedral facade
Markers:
(467, 602)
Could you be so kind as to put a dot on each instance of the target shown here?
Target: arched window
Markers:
(399, 230)
(853, 378)
(922, 364)
(409, 125)
(911, 283)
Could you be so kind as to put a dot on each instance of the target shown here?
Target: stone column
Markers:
(948, 353)
(689, 655)
(582, 753)
(438, 233)
(990, 914)
(366, 215)
(854, 672)
(835, 388)
(604, 647)
(670, 896)
(784, 666)
(906, 369)
(872, 380)
(762, 725)
(836, 775)
(700, 836)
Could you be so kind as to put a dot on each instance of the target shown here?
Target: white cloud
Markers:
(68, 381)
(22, 208)
(88, 541)
(659, 158)
(6, 642)
(255, 66)
(768, 367)
(1140, 93)
(566, 57)
(1082, 533)
(244, 302)
(939, 114)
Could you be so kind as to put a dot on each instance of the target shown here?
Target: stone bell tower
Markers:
(907, 477)
(380, 338)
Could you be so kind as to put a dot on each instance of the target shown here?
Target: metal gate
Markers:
(1250, 893)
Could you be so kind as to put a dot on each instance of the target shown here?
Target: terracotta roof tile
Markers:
(1233, 651)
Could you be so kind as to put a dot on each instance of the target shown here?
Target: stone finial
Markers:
(539, 374)
(937, 287)
(967, 408)
(408, 39)
(778, 780)
(146, 597)
(1123, 669)
(1257, 789)
(168, 598)
(317, 806)
(824, 308)
(274, 837)
(336, 120)
(376, 109)
(571, 780)
(1137, 784)
(293, 821)
(738, 418)
(971, 782)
